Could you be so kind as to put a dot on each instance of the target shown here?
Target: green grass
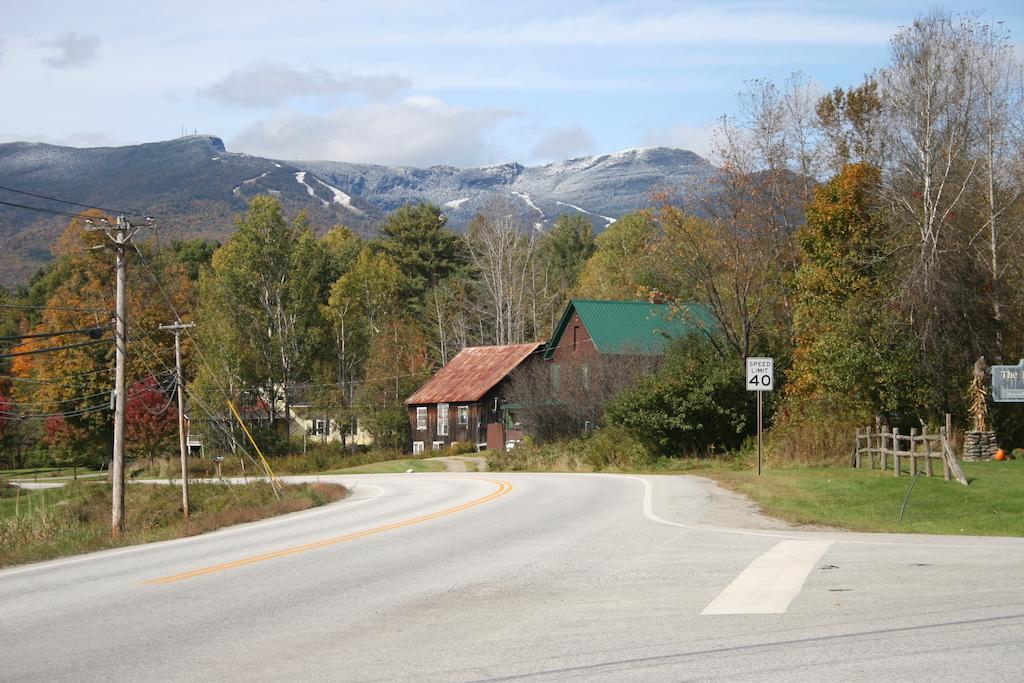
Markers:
(76, 518)
(869, 500)
(46, 473)
(393, 466)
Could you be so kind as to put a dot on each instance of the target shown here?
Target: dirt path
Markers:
(463, 463)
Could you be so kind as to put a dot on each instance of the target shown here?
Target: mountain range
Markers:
(194, 187)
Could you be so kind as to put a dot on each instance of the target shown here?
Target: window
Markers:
(321, 427)
(463, 416)
(575, 331)
(417, 447)
(437, 445)
(442, 419)
(421, 420)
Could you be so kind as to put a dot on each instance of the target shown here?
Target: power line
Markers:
(55, 308)
(42, 416)
(41, 210)
(41, 335)
(65, 201)
(51, 349)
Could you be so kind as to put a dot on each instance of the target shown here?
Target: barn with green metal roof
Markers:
(628, 328)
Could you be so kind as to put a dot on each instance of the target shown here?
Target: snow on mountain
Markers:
(195, 187)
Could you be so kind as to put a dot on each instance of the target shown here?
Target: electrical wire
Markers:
(41, 210)
(65, 201)
(55, 308)
(56, 383)
(52, 349)
(62, 333)
(44, 416)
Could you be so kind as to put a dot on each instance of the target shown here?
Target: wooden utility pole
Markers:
(119, 235)
(179, 382)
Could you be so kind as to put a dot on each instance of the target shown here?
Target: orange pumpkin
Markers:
(1000, 454)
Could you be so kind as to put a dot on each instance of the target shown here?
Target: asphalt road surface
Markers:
(496, 576)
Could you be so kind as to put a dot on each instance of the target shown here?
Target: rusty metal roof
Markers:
(472, 373)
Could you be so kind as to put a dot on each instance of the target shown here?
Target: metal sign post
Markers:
(760, 378)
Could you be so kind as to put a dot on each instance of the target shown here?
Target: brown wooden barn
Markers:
(465, 396)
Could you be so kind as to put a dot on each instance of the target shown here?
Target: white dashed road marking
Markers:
(771, 581)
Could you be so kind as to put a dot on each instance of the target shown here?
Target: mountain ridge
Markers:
(195, 187)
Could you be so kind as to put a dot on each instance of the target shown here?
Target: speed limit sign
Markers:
(760, 374)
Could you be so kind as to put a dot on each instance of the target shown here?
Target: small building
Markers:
(309, 418)
(463, 402)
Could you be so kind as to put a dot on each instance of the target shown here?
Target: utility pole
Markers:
(179, 381)
(120, 235)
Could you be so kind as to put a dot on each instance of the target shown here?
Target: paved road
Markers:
(497, 576)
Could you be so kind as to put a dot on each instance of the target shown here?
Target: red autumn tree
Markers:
(64, 441)
(151, 420)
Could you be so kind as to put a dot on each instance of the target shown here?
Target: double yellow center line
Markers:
(503, 488)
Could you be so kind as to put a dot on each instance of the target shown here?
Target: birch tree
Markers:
(501, 254)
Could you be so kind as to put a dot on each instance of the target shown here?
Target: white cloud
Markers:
(71, 50)
(418, 131)
(562, 143)
(697, 139)
(267, 84)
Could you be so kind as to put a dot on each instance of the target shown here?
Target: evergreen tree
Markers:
(416, 240)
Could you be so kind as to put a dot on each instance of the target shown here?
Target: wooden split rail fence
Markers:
(888, 447)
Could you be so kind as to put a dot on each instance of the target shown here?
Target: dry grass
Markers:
(76, 518)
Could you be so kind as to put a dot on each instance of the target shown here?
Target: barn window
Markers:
(442, 419)
(417, 447)
(421, 420)
(463, 416)
(437, 445)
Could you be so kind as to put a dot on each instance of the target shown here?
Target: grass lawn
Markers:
(48, 523)
(869, 500)
(393, 466)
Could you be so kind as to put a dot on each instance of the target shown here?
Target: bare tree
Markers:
(501, 253)
(737, 261)
(564, 399)
(929, 95)
(998, 129)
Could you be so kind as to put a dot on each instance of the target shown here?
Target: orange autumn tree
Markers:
(75, 383)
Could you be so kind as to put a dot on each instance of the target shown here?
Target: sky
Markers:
(422, 83)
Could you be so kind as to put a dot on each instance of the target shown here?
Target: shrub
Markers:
(694, 403)
(812, 434)
(461, 448)
(614, 446)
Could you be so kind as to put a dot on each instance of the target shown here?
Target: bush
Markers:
(812, 435)
(695, 403)
(610, 447)
(461, 448)
(615, 447)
